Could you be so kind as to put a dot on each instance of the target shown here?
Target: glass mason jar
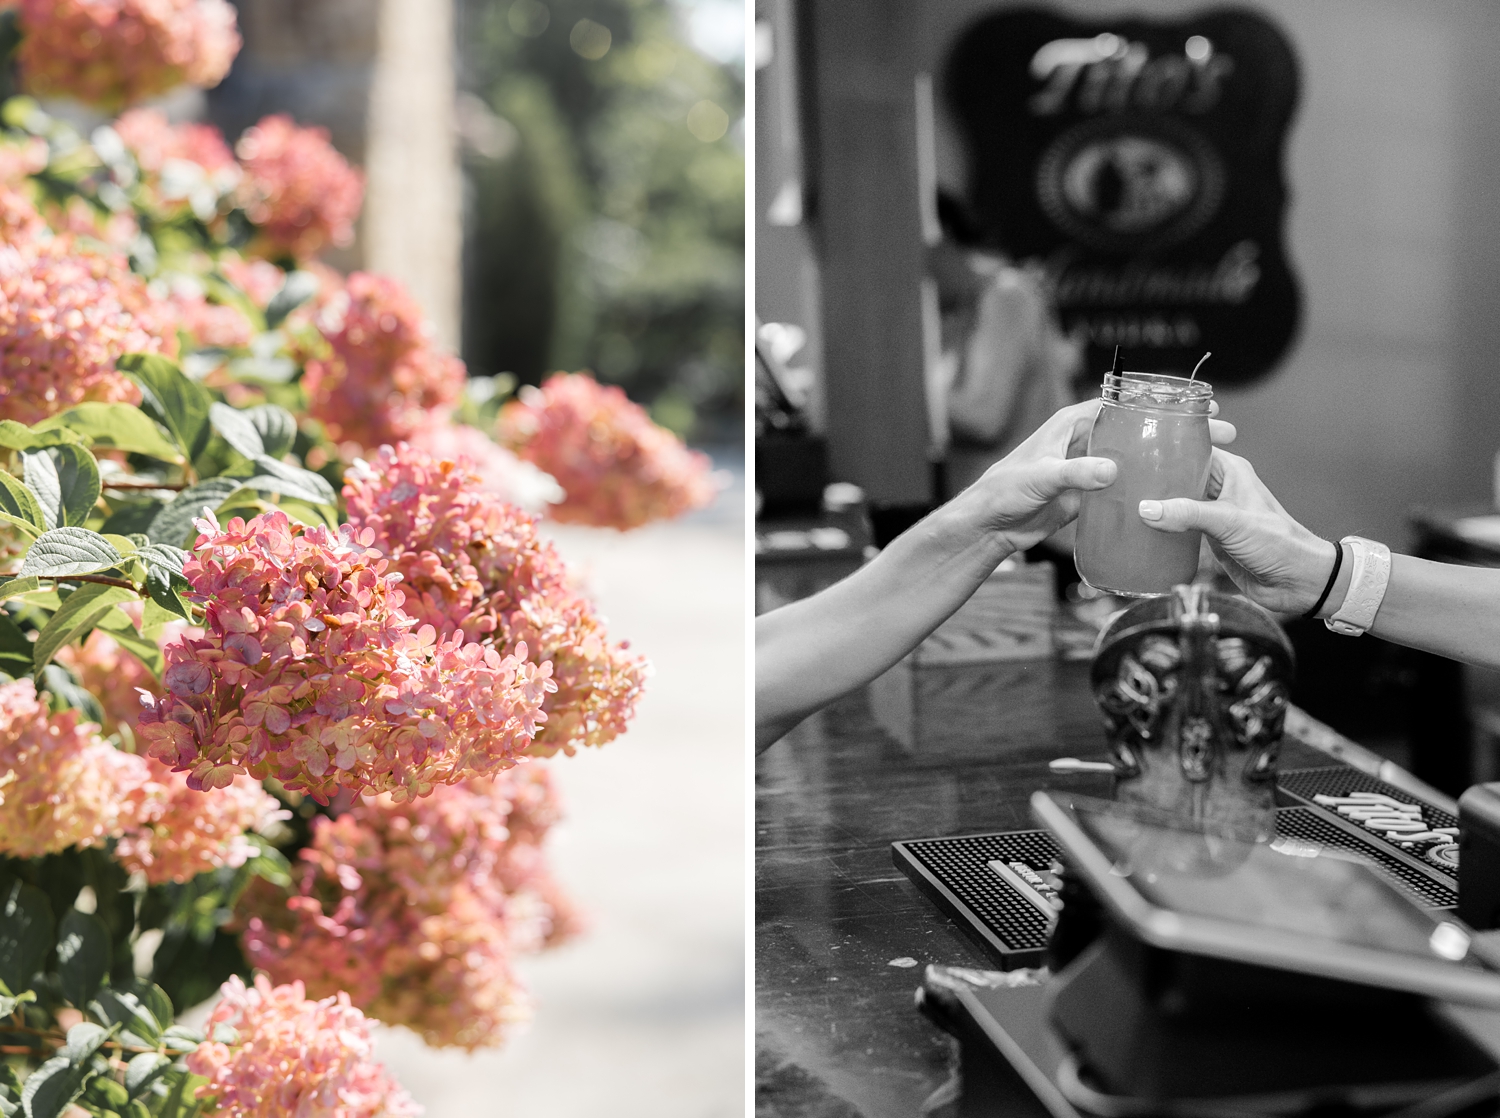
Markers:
(1155, 428)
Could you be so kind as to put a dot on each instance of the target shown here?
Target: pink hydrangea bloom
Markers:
(209, 324)
(293, 1057)
(472, 563)
(416, 909)
(182, 165)
(299, 192)
(617, 467)
(384, 379)
(184, 832)
(115, 52)
(499, 471)
(65, 318)
(155, 141)
(309, 671)
(260, 280)
(62, 785)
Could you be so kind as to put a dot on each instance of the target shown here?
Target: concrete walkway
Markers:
(644, 1015)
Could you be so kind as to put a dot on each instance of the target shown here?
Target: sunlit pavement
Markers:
(644, 1015)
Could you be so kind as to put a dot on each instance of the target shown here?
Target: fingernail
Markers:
(1104, 472)
(1150, 510)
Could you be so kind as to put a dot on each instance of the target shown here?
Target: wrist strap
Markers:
(1367, 583)
(1338, 563)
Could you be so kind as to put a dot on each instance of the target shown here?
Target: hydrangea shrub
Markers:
(284, 652)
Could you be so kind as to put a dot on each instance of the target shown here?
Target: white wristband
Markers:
(1367, 582)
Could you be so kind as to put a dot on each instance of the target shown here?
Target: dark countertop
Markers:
(836, 1031)
(919, 753)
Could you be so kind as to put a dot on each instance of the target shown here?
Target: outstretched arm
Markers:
(1438, 607)
(812, 651)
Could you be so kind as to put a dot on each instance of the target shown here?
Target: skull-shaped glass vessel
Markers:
(1193, 688)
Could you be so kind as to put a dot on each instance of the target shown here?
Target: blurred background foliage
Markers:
(604, 202)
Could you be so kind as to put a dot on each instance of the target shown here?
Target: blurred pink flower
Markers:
(218, 325)
(416, 909)
(472, 563)
(115, 52)
(111, 675)
(260, 280)
(385, 379)
(293, 1057)
(154, 141)
(182, 166)
(299, 192)
(62, 785)
(65, 318)
(183, 832)
(617, 467)
(499, 472)
(310, 671)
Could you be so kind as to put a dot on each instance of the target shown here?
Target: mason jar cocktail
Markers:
(1155, 428)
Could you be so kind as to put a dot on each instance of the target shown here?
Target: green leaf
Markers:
(290, 481)
(163, 555)
(53, 1086)
(59, 681)
(83, 609)
(104, 1092)
(119, 426)
(143, 1070)
(174, 523)
(69, 551)
(306, 512)
(45, 485)
(131, 518)
(237, 430)
(126, 1010)
(15, 649)
(298, 289)
(17, 436)
(277, 428)
(83, 956)
(19, 502)
(16, 587)
(25, 933)
(172, 399)
(79, 475)
(123, 630)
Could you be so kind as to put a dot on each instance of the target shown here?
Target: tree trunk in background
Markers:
(379, 75)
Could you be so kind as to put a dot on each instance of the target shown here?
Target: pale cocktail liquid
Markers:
(1155, 428)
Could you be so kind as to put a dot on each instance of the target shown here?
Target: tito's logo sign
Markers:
(1141, 163)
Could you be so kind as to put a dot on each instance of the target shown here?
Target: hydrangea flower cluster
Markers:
(385, 379)
(181, 164)
(182, 832)
(208, 324)
(472, 563)
(499, 471)
(301, 194)
(309, 671)
(115, 52)
(416, 909)
(293, 1056)
(62, 785)
(617, 467)
(65, 318)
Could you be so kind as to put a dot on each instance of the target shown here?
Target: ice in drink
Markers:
(1155, 428)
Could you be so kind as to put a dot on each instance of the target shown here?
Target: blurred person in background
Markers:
(1005, 363)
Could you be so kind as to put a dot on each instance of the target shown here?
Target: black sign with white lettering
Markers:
(1141, 162)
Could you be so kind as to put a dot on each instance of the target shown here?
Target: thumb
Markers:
(1051, 477)
(1181, 514)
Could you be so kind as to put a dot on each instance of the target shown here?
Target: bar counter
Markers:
(842, 936)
